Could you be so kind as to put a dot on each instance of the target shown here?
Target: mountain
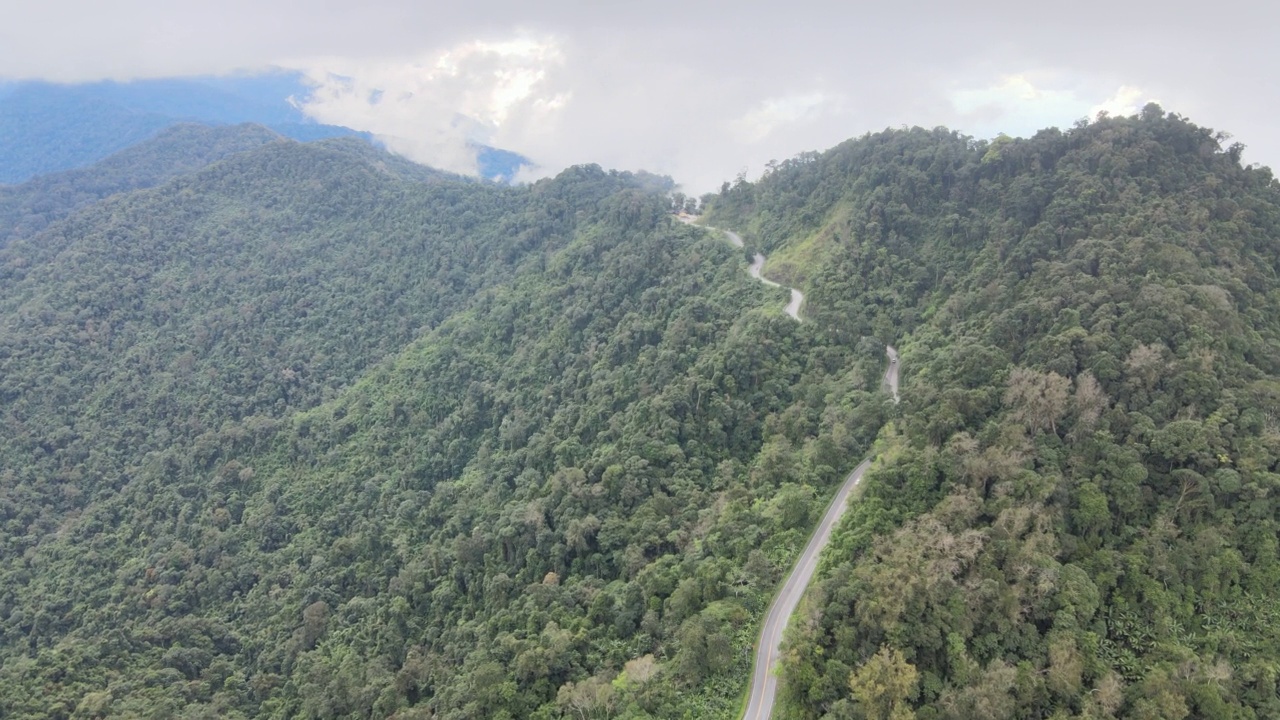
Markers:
(297, 434)
(178, 150)
(303, 356)
(1075, 514)
(43, 129)
(391, 164)
(48, 127)
(498, 164)
(27, 208)
(267, 280)
(164, 350)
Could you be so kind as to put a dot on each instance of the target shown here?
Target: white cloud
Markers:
(1020, 105)
(775, 112)
(1016, 105)
(681, 88)
(433, 106)
(1128, 100)
(608, 98)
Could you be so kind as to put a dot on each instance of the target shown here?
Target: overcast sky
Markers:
(700, 91)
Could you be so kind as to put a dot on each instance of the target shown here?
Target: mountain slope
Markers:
(30, 207)
(394, 165)
(1075, 514)
(236, 295)
(292, 436)
(593, 431)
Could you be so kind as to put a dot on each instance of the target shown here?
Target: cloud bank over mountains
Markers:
(437, 106)
(699, 91)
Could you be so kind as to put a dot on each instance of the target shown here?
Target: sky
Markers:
(701, 91)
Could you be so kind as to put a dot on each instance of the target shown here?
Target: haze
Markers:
(700, 91)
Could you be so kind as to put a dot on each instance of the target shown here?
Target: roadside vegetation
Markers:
(297, 432)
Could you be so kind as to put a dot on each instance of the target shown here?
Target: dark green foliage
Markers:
(229, 491)
(170, 320)
(297, 435)
(28, 208)
(1078, 516)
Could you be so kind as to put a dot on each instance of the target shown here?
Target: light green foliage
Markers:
(315, 441)
(883, 685)
(1089, 324)
(298, 435)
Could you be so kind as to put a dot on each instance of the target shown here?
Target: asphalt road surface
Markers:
(764, 684)
(891, 376)
(757, 264)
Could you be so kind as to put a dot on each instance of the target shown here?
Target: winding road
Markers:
(891, 375)
(764, 684)
(757, 264)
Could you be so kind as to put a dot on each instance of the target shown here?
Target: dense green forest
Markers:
(294, 433)
(155, 319)
(228, 490)
(1076, 513)
(30, 207)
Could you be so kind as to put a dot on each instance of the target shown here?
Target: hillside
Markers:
(43, 131)
(1075, 514)
(386, 162)
(249, 289)
(297, 434)
(30, 207)
(162, 349)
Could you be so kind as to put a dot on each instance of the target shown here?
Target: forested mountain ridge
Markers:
(160, 345)
(1076, 514)
(28, 208)
(246, 290)
(388, 162)
(293, 436)
(160, 324)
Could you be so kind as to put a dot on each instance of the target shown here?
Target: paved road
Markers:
(757, 265)
(891, 377)
(764, 684)
(793, 307)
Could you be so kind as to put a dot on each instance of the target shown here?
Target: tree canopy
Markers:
(1074, 516)
(290, 432)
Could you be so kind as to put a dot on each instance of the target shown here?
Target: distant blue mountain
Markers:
(207, 99)
(500, 165)
(48, 127)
